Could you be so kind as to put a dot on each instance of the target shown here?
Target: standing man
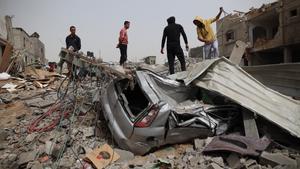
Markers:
(123, 42)
(172, 33)
(73, 44)
(206, 35)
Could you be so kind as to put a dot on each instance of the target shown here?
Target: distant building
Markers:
(32, 48)
(151, 60)
(5, 33)
(272, 32)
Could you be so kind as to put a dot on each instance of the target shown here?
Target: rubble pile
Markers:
(52, 121)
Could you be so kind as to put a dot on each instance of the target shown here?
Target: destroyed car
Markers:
(152, 111)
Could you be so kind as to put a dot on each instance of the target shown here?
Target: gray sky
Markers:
(98, 22)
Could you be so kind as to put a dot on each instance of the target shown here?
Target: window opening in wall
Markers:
(293, 13)
(229, 36)
(259, 35)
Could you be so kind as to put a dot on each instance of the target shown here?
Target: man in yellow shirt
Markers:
(206, 35)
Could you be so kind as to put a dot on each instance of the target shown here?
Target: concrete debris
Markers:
(251, 164)
(69, 139)
(36, 165)
(10, 87)
(52, 149)
(124, 155)
(234, 161)
(34, 102)
(214, 166)
(30, 137)
(199, 143)
(3, 135)
(49, 147)
(218, 160)
(27, 157)
(67, 162)
(275, 159)
(88, 131)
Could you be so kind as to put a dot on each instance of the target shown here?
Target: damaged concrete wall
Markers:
(3, 30)
(291, 21)
(38, 49)
(232, 28)
(34, 49)
(271, 30)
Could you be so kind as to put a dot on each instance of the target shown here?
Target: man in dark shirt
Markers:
(172, 33)
(73, 40)
(73, 44)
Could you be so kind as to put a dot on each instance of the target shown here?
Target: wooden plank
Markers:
(6, 57)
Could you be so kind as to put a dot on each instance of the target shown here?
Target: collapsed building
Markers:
(34, 49)
(271, 31)
(18, 48)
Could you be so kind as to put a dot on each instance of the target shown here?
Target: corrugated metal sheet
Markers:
(284, 78)
(221, 76)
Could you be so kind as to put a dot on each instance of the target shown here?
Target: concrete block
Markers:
(37, 165)
(199, 143)
(251, 164)
(34, 102)
(30, 137)
(124, 155)
(218, 160)
(26, 157)
(233, 161)
(214, 166)
(275, 159)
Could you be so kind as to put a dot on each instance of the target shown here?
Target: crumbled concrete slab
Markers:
(34, 102)
(12, 157)
(30, 137)
(214, 166)
(67, 162)
(88, 131)
(3, 135)
(251, 164)
(199, 143)
(8, 97)
(189, 150)
(35, 165)
(208, 140)
(275, 159)
(27, 157)
(218, 160)
(52, 149)
(233, 161)
(124, 155)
